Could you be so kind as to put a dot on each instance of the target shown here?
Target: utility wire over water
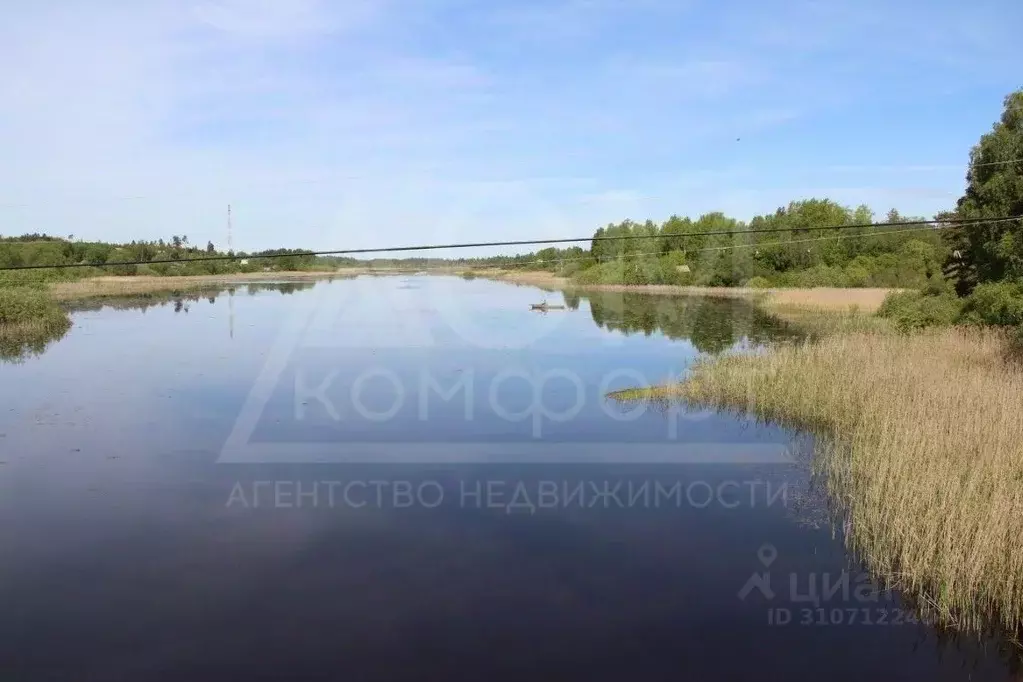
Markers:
(920, 224)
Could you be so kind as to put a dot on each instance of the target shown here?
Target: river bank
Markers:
(921, 446)
(786, 301)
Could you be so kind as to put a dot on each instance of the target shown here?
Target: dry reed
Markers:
(921, 442)
(823, 299)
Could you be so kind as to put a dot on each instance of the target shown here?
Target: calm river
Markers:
(419, 478)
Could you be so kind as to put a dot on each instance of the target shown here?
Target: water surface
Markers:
(419, 478)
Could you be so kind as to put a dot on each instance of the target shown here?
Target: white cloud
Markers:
(271, 19)
(357, 122)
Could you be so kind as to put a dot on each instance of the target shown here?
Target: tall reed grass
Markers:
(921, 444)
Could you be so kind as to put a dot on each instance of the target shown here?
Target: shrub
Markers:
(999, 303)
(646, 271)
(29, 319)
(897, 303)
(26, 304)
(759, 282)
(674, 269)
(603, 273)
(913, 310)
(938, 286)
(822, 276)
(856, 276)
(571, 268)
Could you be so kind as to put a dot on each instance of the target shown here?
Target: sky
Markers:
(369, 123)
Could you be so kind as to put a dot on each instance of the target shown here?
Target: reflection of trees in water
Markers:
(16, 347)
(35, 342)
(711, 324)
(285, 288)
(572, 300)
(180, 302)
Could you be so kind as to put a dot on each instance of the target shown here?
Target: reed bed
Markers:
(921, 444)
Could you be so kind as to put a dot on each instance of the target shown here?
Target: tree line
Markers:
(678, 251)
(156, 257)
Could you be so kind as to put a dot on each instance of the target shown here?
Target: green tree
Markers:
(994, 189)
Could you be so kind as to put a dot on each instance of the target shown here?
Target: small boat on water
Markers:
(545, 306)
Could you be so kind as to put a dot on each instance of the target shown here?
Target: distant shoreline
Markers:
(823, 298)
(866, 300)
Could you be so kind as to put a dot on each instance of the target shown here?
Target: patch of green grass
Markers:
(27, 304)
(29, 320)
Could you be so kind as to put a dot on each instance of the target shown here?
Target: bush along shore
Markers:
(29, 320)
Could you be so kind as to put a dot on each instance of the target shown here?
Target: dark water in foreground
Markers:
(413, 478)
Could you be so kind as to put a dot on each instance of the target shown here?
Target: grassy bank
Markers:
(921, 444)
(29, 320)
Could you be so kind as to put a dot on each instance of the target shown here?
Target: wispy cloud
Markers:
(272, 20)
(316, 118)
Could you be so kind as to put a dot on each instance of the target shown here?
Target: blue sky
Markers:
(377, 122)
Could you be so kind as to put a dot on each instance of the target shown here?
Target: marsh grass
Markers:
(29, 320)
(920, 442)
(818, 322)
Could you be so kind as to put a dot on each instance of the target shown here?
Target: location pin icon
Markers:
(767, 554)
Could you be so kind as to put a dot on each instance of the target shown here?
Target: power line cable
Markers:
(965, 222)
